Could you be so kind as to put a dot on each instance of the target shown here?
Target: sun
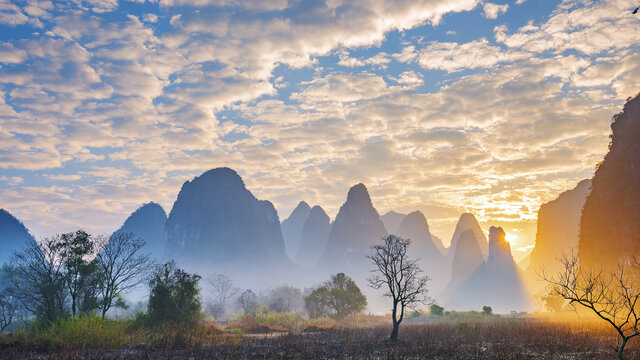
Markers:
(511, 239)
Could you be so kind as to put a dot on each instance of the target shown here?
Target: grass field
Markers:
(363, 337)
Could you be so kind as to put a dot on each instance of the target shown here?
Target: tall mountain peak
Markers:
(558, 228)
(414, 226)
(148, 222)
(359, 194)
(356, 228)
(315, 234)
(292, 228)
(217, 225)
(609, 227)
(468, 222)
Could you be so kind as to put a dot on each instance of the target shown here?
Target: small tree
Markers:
(338, 297)
(285, 298)
(174, 297)
(611, 296)
(436, 310)
(75, 251)
(401, 275)
(487, 310)
(122, 267)
(222, 290)
(248, 302)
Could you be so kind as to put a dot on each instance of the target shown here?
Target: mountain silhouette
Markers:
(468, 222)
(292, 228)
(217, 225)
(148, 223)
(13, 236)
(414, 226)
(558, 228)
(315, 235)
(609, 227)
(497, 283)
(392, 221)
(356, 229)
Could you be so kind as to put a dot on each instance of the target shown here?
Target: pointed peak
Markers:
(317, 210)
(302, 205)
(358, 193)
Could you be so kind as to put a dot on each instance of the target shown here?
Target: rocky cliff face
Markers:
(217, 225)
(497, 283)
(609, 228)
(13, 236)
(147, 223)
(292, 228)
(356, 228)
(558, 227)
(392, 221)
(415, 227)
(468, 222)
(315, 235)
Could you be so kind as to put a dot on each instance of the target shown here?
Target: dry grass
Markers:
(366, 338)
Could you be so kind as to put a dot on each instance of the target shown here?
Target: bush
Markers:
(487, 310)
(175, 296)
(436, 310)
(338, 297)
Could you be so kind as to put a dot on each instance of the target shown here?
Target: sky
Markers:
(443, 106)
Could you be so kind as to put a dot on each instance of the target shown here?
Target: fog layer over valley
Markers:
(217, 226)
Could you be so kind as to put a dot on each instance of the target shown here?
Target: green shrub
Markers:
(86, 331)
(174, 297)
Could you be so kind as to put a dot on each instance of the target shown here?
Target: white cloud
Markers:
(452, 57)
(492, 11)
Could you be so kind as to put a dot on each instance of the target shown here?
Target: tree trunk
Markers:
(621, 348)
(394, 332)
(396, 323)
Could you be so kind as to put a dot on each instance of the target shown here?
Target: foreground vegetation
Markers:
(291, 336)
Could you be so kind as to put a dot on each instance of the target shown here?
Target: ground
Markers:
(494, 338)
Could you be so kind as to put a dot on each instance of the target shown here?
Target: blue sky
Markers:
(446, 106)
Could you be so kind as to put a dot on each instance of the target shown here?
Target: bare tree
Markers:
(610, 295)
(248, 302)
(222, 290)
(401, 275)
(38, 281)
(8, 310)
(122, 267)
